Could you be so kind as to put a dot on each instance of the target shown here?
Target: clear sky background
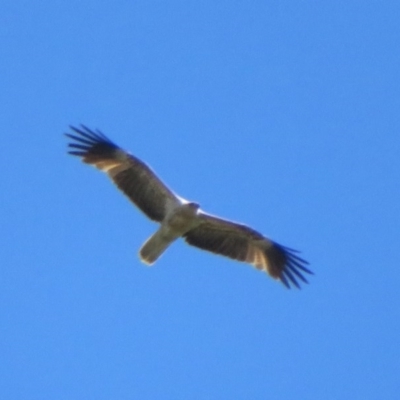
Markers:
(283, 115)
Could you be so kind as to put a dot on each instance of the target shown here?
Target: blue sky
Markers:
(283, 115)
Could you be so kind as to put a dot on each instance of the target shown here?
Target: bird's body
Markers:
(176, 223)
(181, 218)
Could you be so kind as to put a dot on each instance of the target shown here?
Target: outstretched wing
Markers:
(245, 244)
(131, 175)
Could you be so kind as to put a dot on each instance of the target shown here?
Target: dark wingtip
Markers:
(285, 282)
(294, 268)
(87, 141)
(88, 134)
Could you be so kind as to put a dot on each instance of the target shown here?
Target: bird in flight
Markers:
(181, 218)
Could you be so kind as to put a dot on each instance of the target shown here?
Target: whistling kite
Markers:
(181, 218)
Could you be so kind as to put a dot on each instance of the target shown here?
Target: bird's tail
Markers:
(154, 246)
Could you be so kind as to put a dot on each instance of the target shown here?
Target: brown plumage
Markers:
(180, 218)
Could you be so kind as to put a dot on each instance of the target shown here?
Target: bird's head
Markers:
(194, 206)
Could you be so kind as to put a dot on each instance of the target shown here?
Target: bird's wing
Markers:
(242, 243)
(131, 175)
